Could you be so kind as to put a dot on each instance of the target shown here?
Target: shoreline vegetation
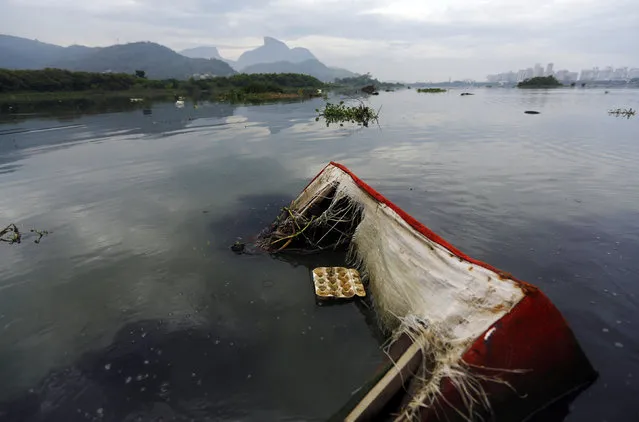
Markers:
(358, 83)
(431, 90)
(57, 85)
(540, 82)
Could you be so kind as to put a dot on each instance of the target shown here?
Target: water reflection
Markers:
(144, 205)
(150, 372)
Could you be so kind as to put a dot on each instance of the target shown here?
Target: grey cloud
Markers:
(471, 38)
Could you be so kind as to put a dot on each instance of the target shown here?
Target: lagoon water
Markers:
(134, 308)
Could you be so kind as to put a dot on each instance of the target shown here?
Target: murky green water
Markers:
(136, 306)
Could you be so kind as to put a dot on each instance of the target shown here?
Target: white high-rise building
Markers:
(538, 70)
(589, 74)
(572, 77)
(562, 75)
(521, 75)
(549, 71)
(529, 73)
(605, 74)
(633, 73)
(620, 74)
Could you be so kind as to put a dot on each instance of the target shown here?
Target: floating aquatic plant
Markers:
(622, 112)
(341, 113)
(11, 234)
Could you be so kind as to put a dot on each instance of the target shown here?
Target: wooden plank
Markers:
(386, 388)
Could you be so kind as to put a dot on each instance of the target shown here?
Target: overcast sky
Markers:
(399, 39)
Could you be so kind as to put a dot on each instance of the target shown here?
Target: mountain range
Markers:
(160, 62)
(274, 56)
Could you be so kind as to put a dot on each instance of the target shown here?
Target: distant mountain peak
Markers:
(274, 51)
(270, 41)
(203, 52)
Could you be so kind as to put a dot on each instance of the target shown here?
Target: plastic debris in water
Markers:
(337, 282)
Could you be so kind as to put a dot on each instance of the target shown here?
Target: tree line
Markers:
(59, 80)
(365, 80)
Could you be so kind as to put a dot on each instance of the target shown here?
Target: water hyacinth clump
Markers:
(622, 112)
(360, 114)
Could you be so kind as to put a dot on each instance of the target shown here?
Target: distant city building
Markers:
(607, 73)
(521, 75)
(589, 74)
(566, 76)
(530, 73)
(620, 74)
(506, 77)
(549, 71)
(561, 75)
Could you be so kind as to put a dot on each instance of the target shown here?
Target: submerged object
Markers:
(238, 247)
(467, 341)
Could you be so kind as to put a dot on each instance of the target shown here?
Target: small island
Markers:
(431, 90)
(540, 82)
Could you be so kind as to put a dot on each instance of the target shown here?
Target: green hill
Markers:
(157, 61)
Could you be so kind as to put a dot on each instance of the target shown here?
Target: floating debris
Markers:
(238, 247)
(10, 234)
(623, 112)
(338, 283)
(532, 112)
(40, 233)
(463, 94)
(340, 113)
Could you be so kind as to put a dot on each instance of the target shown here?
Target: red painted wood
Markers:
(533, 337)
